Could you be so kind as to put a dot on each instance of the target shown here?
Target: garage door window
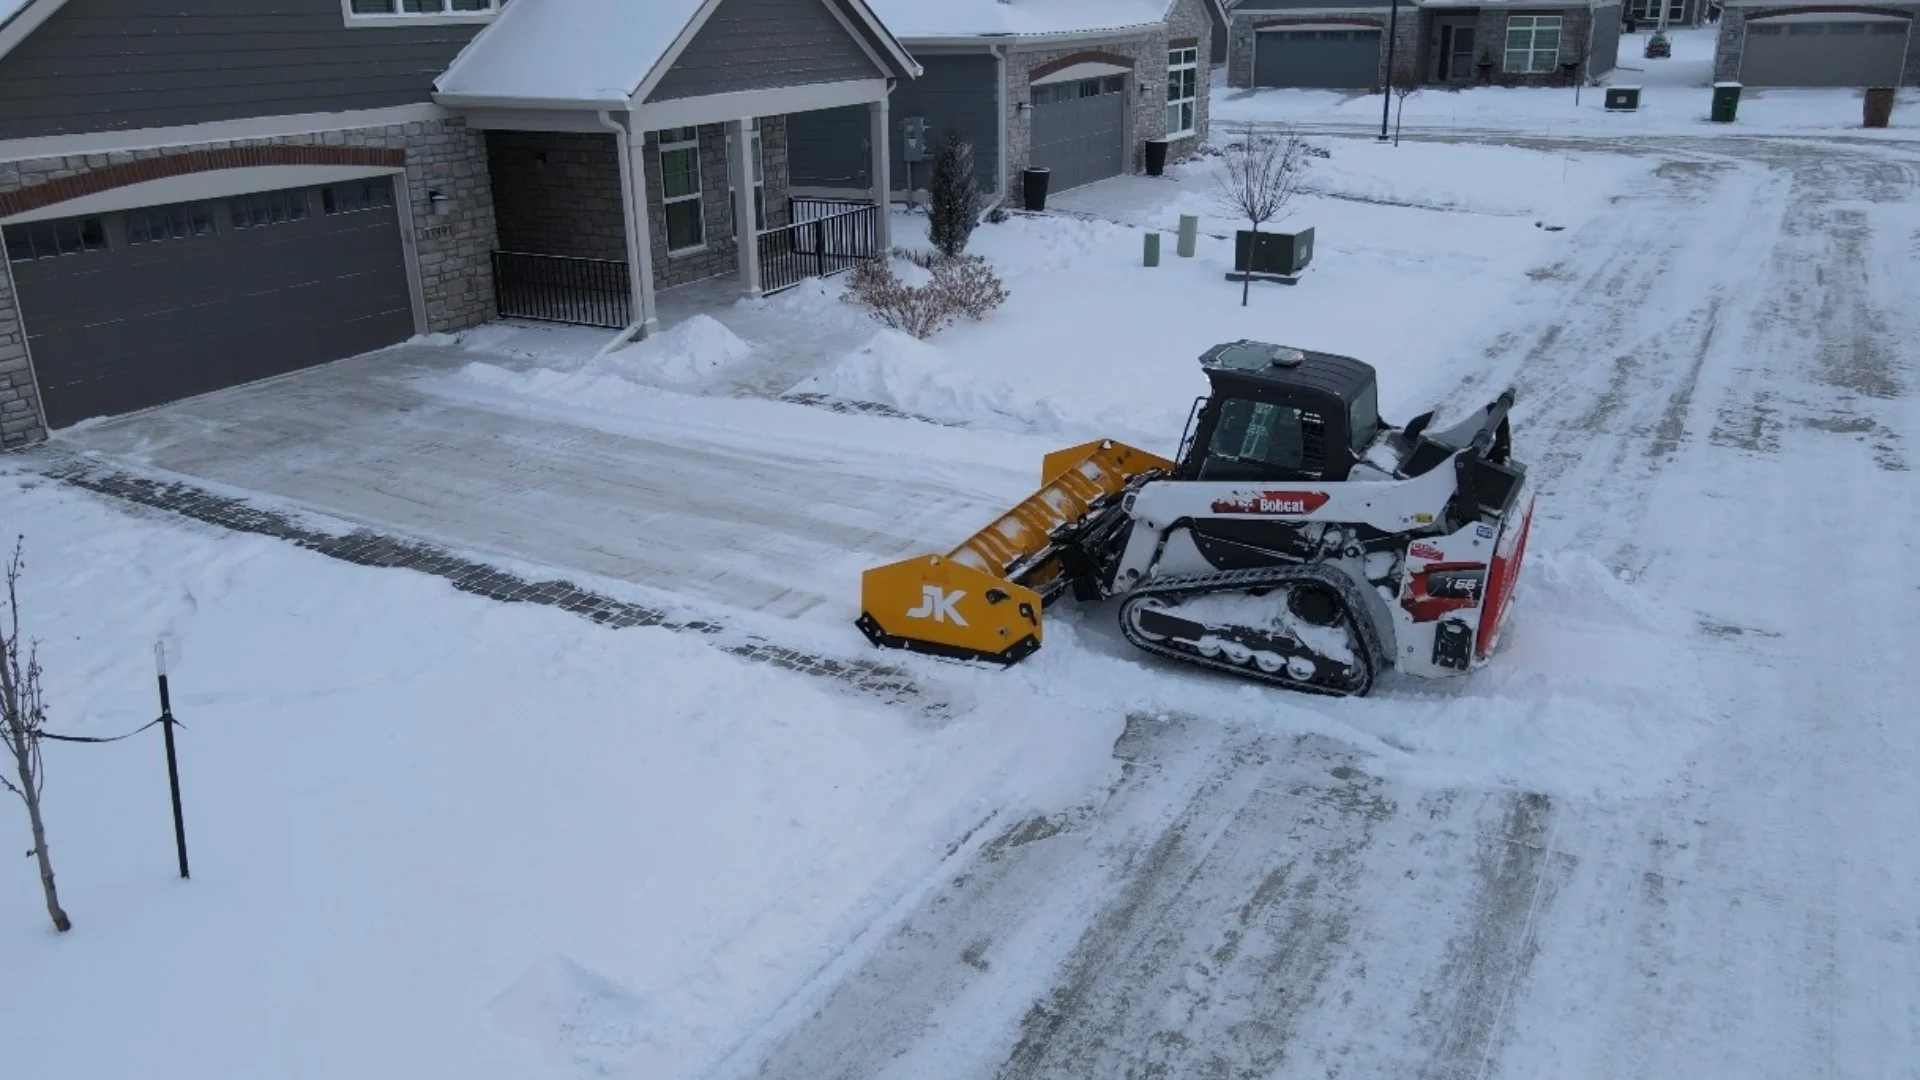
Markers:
(1183, 69)
(51, 239)
(1533, 44)
(169, 223)
(354, 197)
(1888, 28)
(268, 208)
(1764, 29)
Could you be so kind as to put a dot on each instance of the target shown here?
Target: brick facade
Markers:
(1732, 40)
(440, 155)
(717, 255)
(1146, 89)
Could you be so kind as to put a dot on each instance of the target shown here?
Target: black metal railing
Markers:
(562, 288)
(826, 237)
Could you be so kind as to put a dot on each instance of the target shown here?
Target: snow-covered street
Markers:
(1668, 833)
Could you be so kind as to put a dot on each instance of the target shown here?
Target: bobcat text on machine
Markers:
(1298, 540)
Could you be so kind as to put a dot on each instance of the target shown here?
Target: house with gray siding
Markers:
(1075, 88)
(208, 192)
(1343, 44)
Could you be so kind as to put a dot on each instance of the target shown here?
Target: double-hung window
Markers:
(759, 181)
(1533, 44)
(1183, 74)
(680, 188)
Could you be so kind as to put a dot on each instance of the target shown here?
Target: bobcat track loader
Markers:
(1297, 540)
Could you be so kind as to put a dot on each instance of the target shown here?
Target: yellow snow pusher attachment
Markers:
(983, 599)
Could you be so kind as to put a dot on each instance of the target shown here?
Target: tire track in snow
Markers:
(1225, 908)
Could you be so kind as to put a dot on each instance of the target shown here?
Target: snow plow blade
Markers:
(982, 600)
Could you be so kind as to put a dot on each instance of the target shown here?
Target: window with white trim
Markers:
(1533, 44)
(680, 188)
(1183, 76)
(759, 182)
(361, 11)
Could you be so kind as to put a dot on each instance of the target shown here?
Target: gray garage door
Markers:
(134, 308)
(1331, 59)
(1080, 130)
(1837, 51)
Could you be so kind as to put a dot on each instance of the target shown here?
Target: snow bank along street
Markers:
(1667, 833)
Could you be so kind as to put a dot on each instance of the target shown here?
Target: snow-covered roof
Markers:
(912, 20)
(575, 51)
(9, 7)
(568, 50)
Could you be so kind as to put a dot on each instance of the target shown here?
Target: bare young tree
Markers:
(23, 713)
(1406, 83)
(1258, 176)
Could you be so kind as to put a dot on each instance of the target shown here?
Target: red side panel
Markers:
(1500, 581)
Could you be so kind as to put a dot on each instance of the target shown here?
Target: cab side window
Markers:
(1259, 440)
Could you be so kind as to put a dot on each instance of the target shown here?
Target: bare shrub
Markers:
(956, 285)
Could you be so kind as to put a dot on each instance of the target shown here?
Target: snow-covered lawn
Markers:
(433, 835)
(1413, 245)
(1675, 98)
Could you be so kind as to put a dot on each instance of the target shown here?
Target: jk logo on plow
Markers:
(938, 606)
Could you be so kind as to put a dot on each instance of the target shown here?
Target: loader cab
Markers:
(1280, 413)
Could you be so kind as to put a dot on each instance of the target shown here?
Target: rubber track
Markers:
(1371, 655)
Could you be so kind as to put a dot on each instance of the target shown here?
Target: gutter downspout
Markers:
(1000, 100)
(636, 294)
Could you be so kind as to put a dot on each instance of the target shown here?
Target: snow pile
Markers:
(686, 356)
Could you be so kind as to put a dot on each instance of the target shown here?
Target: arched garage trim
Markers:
(109, 177)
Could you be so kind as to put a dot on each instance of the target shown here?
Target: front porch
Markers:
(571, 248)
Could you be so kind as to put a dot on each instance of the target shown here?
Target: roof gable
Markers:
(603, 52)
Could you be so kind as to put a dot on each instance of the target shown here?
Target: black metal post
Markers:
(173, 765)
(1386, 91)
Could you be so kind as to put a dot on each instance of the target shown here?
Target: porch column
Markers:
(640, 233)
(747, 242)
(882, 159)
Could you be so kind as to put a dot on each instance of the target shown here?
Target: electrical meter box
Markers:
(913, 138)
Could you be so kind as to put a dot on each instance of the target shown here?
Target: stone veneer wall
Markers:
(456, 277)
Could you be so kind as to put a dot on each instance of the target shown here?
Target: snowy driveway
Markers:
(750, 513)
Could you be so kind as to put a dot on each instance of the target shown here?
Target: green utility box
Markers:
(1726, 101)
(1623, 98)
(1277, 253)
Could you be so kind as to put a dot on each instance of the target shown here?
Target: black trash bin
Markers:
(1034, 188)
(1156, 157)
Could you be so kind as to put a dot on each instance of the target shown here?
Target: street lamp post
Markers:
(1386, 91)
